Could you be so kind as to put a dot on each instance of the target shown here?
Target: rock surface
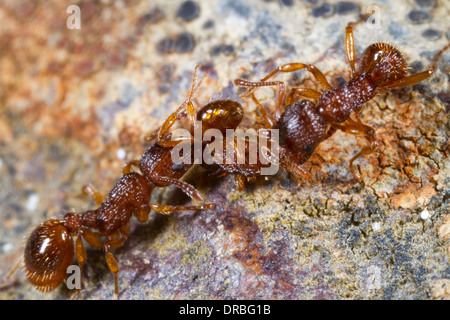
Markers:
(77, 104)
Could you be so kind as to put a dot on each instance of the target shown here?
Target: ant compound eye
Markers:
(48, 253)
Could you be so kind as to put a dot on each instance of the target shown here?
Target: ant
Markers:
(50, 249)
(221, 115)
(304, 125)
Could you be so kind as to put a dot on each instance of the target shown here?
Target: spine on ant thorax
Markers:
(337, 105)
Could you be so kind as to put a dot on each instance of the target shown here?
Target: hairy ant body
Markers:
(303, 125)
(50, 248)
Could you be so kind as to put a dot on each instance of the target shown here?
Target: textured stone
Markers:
(71, 99)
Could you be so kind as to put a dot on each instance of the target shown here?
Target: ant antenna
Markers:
(362, 19)
(195, 85)
(18, 265)
(433, 65)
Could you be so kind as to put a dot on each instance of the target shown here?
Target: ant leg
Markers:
(330, 132)
(92, 192)
(163, 138)
(92, 237)
(293, 168)
(80, 253)
(417, 77)
(350, 42)
(306, 92)
(409, 80)
(142, 213)
(114, 268)
(240, 180)
(291, 67)
(364, 151)
(358, 128)
(281, 91)
(125, 229)
(166, 209)
(111, 261)
(13, 271)
(187, 188)
(251, 179)
(219, 173)
(268, 120)
(350, 48)
(127, 166)
(153, 135)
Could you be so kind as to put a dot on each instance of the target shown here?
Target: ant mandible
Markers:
(303, 125)
(50, 249)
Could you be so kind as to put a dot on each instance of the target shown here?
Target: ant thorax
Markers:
(336, 105)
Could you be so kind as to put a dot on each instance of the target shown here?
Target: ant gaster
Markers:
(303, 125)
(50, 249)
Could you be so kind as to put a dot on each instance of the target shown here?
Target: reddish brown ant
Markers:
(220, 115)
(50, 250)
(303, 125)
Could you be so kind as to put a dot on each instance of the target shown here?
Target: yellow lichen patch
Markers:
(234, 195)
(194, 253)
(170, 240)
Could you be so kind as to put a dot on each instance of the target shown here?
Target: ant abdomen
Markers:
(382, 63)
(48, 253)
(221, 115)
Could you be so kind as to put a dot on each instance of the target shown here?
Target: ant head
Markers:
(48, 253)
(382, 64)
(221, 115)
